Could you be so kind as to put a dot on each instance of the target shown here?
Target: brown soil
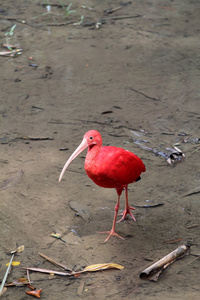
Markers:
(138, 73)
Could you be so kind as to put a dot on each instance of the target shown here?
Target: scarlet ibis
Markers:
(109, 167)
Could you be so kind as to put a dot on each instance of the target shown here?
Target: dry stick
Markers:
(55, 262)
(19, 249)
(120, 17)
(165, 261)
(7, 272)
(193, 226)
(47, 271)
(194, 191)
(93, 268)
(192, 260)
(28, 276)
(110, 11)
(148, 97)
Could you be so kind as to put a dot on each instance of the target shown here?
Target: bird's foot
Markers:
(112, 232)
(125, 212)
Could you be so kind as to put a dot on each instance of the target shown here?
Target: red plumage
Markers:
(114, 167)
(109, 167)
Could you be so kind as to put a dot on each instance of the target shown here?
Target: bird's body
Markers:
(113, 167)
(109, 167)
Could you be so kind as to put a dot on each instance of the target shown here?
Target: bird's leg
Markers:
(127, 208)
(112, 232)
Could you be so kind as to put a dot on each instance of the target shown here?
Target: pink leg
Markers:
(127, 208)
(112, 232)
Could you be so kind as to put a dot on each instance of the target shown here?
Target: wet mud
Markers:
(133, 75)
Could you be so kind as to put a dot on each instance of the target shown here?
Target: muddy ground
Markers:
(132, 75)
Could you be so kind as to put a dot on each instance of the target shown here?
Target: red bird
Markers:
(109, 167)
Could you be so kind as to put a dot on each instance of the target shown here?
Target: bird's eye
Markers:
(91, 137)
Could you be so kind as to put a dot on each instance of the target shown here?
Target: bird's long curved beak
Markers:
(81, 147)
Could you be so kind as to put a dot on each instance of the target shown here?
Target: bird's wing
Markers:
(117, 167)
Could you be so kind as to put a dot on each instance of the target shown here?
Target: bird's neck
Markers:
(93, 152)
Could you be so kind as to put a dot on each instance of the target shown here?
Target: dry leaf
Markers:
(35, 293)
(99, 267)
(3, 291)
(18, 282)
(20, 248)
(14, 263)
(91, 268)
(56, 235)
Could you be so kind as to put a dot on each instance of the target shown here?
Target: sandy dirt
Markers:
(132, 75)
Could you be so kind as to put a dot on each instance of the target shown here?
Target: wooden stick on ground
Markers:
(154, 271)
(54, 262)
(47, 271)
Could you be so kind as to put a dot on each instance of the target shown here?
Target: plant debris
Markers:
(35, 138)
(58, 236)
(13, 53)
(19, 249)
(35, 293)
(192, 192)
(149, 204)
(90, 268)
(154, 271)
(173, 241)
(14, 263)
(64, 267)
(99, 267)
(176, 156)
(18, 282)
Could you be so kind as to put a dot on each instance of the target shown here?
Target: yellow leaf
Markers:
(98, 267)
(56, 235)
(14, 263)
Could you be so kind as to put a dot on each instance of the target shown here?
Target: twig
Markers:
(120, 17)
(192, 260)
(28, 276)
(173, 241)
(55, 262)
(7, 272)
(111, 10)
(59, 24)
(168, 128)
(195, 191)
(152, 98)
(19, 249)
(193, 226)
(48, 271)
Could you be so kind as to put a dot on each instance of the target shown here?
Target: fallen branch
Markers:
(54, 262)
(19, 249)
(90, 268)
(154, 271)
(48, 271)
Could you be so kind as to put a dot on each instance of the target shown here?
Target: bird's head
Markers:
(90, 139)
